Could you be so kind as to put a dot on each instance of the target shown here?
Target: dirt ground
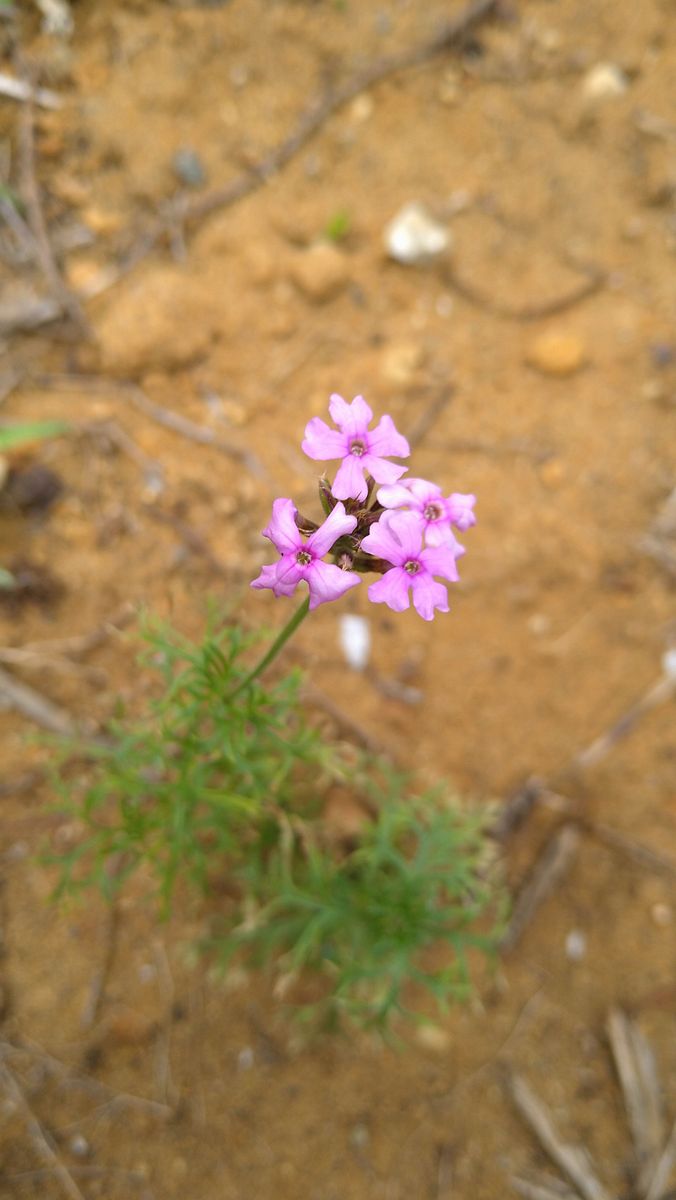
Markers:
(536, 360)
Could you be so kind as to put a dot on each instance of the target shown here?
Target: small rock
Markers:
(539, 624)
(400, 363)
(361, 108)
(188, 167)
(663, 354)
(127, 1027)
(449, 88)
(355, 640)
(320, 272)
(79, 1146)
(32, 488)
(432, 1037)
(556, 353)
(662, 915)
(604, 81)
(576, 945)
(359, 1136)
(414, 236)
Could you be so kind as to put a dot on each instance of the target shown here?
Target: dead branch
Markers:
(97, 987)
(430, 416)
(36, 707)
(64, 298)
(573, 1161)
(657, 1189)
(536, 311)
(24, 92)
(185, 210)
(540, 1190)
(37, 1134)
(637, 1074)
(549, 870)
(162, 416)
(661, 691)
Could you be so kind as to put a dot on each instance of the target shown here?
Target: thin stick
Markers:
(541, 1191)
(162, 416)
(34, 706)
(547, 873)
(37, 1134)
(572, 1160)
(636, 1071)
(97, 987)
(21, 90)
(83, 643)
(186, 210)
(31, 193)
(657, 1189)
(661, 691)
(429, 417)
(535, 311)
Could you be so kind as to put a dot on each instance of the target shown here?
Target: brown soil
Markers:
(558, 626)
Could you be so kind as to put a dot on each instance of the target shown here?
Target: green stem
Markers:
(279, 642)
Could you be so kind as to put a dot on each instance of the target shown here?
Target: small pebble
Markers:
(576, 945)
(355, 640)
(414, 236)
(188, 167)
(663, 354)
(662, 915)
(669, 663)
(245, 1059)
(79, 1146)
(604, 81)
(361, 108)
(432, 1037)
(556, 353)
(359, 1136)
(552, 473)
(539, 624)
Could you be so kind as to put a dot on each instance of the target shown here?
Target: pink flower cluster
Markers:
(402, 530)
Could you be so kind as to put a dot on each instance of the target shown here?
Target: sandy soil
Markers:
(548, 173)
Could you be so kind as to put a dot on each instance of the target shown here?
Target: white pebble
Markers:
(604, 81)
(355, 640)
(414, 236)
(576, 945)
(669, 663)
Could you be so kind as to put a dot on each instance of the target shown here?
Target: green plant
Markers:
(338, 226)
(223, 780)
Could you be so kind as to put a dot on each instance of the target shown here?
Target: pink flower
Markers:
(437, 511)
(398, 538)
(360, 449)
(301, 560)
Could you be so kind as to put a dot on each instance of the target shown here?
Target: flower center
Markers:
(303, 558)
(432, 512)
(357, 448)
(412, 567)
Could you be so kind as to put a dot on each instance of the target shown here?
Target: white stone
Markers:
(604, 81)
(355, 640)
(414, 236)
(576, 945)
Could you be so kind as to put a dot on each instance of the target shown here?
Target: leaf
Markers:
(31, 431)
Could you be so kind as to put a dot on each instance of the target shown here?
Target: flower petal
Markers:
(428, 595)
(439, 533)
(407, 529)
(424, 491)
(336, 525)
(459, 507)
(440, 560)
(321, 442)
(282, 530)
(328, 582)
(382, 470)
(394, 495)
(268, 578)
(380, 542)
(385, 440)
(392, 590)
(349, 482)
(354, 419)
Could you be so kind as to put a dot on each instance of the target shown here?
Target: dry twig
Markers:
(20, 89)
(36, 707)
(573, 1161)
(188, 210)
(637, 1074)
(37, 1134)
(547, 873)
(536, 311)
